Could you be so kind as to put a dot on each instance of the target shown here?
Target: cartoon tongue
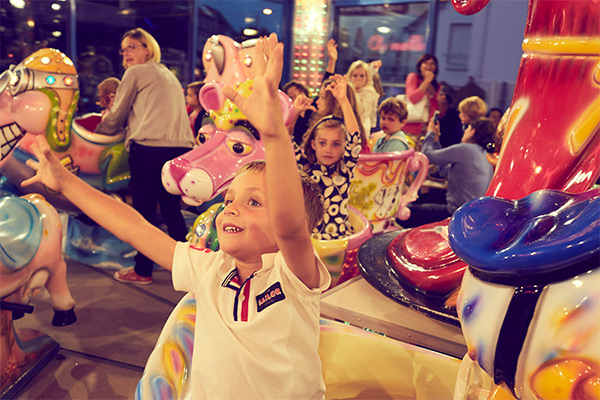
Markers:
(538, 235)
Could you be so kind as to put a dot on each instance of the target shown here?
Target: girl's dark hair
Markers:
(421, 60)
(296, 85)
(485, 133)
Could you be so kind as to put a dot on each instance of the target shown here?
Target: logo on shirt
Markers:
(270, 296)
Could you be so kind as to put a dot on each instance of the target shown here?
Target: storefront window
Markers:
(396, 34)
(90, 31)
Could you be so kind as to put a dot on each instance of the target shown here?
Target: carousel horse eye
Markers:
(239, 148)
(201, 138)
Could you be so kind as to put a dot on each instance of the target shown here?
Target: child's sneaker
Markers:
(128, 275)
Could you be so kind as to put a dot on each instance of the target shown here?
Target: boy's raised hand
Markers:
(264, 96)
(48, 169)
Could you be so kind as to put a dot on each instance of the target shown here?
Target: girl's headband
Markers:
(329, 118)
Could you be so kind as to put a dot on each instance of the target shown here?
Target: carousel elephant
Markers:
(31, 254)
(39, 97)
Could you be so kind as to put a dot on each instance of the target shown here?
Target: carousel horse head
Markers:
(529, 301)
(226, 142)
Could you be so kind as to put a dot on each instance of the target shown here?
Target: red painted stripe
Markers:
(246, 294)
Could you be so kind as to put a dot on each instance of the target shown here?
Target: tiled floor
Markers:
(103, 354)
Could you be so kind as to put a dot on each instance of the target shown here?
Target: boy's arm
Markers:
(285, 198)
(113, 215)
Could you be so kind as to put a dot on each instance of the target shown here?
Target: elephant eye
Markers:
(239, 147)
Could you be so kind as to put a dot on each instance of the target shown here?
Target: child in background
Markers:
(299, 127)
(495, 114)
(359, 76)
(470, 109)
(197, 113)
(258, 297)
(392, 117)
(464, 164)
(329, 155)
(106, 93)
(327, 104)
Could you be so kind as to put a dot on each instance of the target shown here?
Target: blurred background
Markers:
(478, 55)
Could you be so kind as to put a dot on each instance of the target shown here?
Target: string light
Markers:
(310, 26)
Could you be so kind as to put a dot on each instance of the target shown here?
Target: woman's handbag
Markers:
(419, 112)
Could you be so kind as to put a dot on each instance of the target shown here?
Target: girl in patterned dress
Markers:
(329, 155)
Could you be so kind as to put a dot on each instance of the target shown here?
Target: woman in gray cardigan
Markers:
(150, 104)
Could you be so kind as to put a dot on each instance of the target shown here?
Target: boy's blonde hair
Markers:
(474, 107)
(147, 40)
(392, 105)
(313, 199)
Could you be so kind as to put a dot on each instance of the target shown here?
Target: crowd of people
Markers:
(350, 115)
(274, 207)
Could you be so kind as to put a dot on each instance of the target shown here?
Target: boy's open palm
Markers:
(264, 96)
(48, 170)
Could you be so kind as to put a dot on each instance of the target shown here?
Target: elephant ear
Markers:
(211, 96)
(20, 232)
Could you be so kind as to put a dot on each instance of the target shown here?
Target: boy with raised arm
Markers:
(257, 330)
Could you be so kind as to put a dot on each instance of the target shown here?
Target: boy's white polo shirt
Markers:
(253, 339)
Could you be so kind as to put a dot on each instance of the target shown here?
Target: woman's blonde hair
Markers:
(147, 40)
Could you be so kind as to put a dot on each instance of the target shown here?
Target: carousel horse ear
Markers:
(287, 107)
(211, 96)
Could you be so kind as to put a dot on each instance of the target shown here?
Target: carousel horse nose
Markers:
(172, 173)
(179, 167)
